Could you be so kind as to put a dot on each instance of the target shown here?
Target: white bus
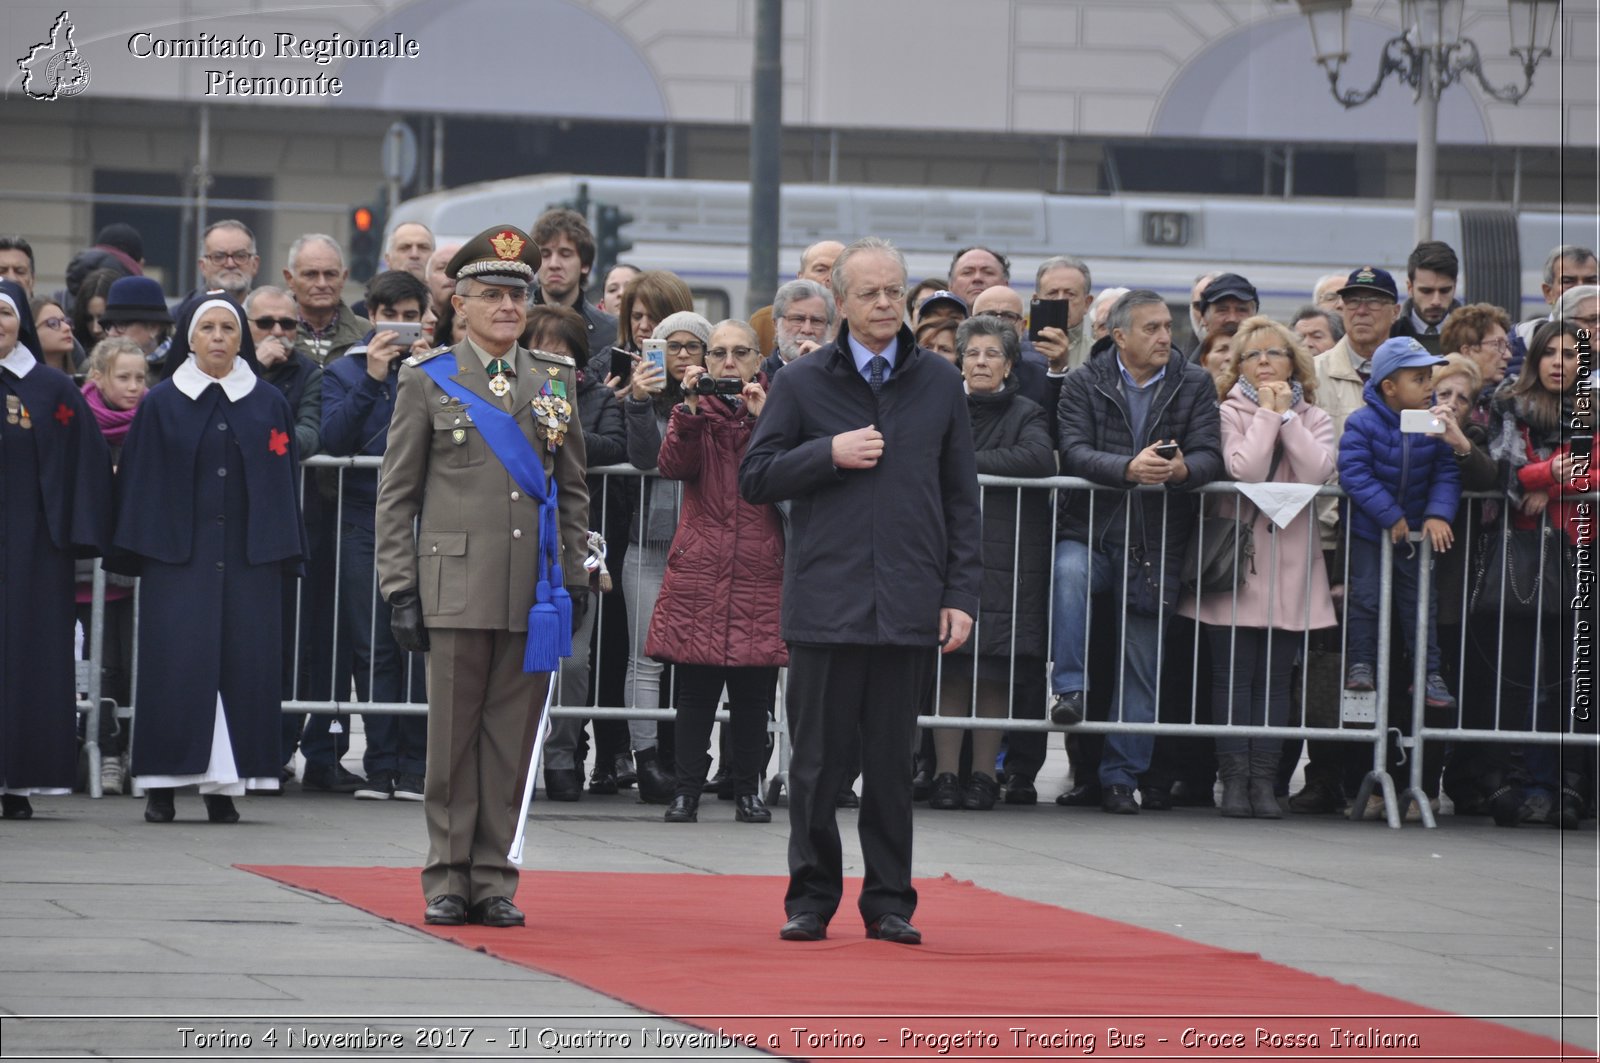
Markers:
(699, 230)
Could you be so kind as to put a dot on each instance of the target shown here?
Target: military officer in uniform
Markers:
(461, 587)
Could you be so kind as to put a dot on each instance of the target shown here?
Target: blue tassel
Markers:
(544, 639)
(563, 603)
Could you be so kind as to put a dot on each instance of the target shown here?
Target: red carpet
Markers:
(704, 949)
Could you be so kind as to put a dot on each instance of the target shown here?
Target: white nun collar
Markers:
(192, 382)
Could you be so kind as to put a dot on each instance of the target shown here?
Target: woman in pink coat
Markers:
(717, 616)
(1256, 634)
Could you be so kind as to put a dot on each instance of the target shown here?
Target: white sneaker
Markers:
(112, 775)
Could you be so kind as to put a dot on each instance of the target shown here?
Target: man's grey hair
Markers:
(1064, 262)
(265, 289)
(799, 291)
(231, 223)
(1573, 251)
(389, 243)
(989, 325)
(1121, 314)
(1567, 305)
(866, 243)
(744, 327)
(1335, 322)
(307, 239)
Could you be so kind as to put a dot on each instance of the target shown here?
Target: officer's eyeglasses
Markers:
(496, 296)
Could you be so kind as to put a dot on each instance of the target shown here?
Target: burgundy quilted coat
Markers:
(720, 598)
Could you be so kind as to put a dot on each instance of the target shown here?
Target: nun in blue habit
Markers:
(208, 516)
(55, 506)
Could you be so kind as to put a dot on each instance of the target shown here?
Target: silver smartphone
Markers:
(1422, 422)
(407, 330)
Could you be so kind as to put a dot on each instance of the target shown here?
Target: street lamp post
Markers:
(1430, 55)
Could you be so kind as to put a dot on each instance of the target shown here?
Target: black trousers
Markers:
(846, 701)
(750, 694)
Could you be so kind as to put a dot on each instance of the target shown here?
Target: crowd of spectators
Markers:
(1093, 602)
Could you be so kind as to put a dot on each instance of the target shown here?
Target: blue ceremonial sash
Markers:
(550, 619)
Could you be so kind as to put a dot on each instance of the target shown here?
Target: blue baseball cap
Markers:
(1401, 352)
(943, 296)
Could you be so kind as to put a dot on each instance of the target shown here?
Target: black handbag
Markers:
(1223, 546)
(1521, 570)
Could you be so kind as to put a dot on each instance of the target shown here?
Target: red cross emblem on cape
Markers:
(64, 414)
(278, 442)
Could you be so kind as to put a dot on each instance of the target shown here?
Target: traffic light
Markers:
(366, 241)
(609, 243)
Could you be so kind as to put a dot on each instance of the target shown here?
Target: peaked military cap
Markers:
(503, 254)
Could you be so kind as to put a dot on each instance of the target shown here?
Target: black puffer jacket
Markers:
(1096, 441)
(1011, 438)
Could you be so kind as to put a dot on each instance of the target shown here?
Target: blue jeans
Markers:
(1080, 573)
(394, 742)
(1366, 576)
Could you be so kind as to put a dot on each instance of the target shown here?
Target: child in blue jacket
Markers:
(1398, 482)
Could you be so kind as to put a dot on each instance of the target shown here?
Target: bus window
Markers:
(711, 303)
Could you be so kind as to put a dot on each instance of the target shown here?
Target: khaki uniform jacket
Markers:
(1339, 395)
(474, 559)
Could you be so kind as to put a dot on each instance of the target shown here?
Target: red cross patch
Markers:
(64, 414)
(278, 442)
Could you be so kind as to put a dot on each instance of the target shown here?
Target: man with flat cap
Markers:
(485, 447)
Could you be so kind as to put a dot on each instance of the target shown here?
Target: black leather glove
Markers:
(405, 621)
(580, 608)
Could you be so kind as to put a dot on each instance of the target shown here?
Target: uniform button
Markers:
(222, 472)
(516, 533)
(515, 495)
(222, 426)
(221, 518)
(436, 548)
(219, 566)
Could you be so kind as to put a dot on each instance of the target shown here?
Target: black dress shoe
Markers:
(946, 794)
(15, 806)
(563, 784)
(921, 783)
(895, 928)
(158, 805)
(804, 926)
(447, 909)
(219, 808)
(685, 808)
(497, 912)
(981, 793)
(847, 798)
(1067, 709)
(1083, 795)
(1155, 799)
(749, 808)
(602, 782)
(1118, 800)
(1194, 794)
(1020, 791)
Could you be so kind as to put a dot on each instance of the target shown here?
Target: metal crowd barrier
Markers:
(1361, 718)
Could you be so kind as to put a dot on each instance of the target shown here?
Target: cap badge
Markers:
(507, 245)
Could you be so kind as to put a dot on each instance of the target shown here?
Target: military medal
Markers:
(459, 436)
(499, 370)
(13, 408)
(551, 414)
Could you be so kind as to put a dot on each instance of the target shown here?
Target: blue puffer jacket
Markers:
(1390, 474)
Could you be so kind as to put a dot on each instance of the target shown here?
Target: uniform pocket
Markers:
(456, 439)
(442, 566)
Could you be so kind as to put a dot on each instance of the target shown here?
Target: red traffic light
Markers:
(362, 219)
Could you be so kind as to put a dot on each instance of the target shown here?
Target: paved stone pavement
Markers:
(105, 915)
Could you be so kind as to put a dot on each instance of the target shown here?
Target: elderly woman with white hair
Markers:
(209, 518)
